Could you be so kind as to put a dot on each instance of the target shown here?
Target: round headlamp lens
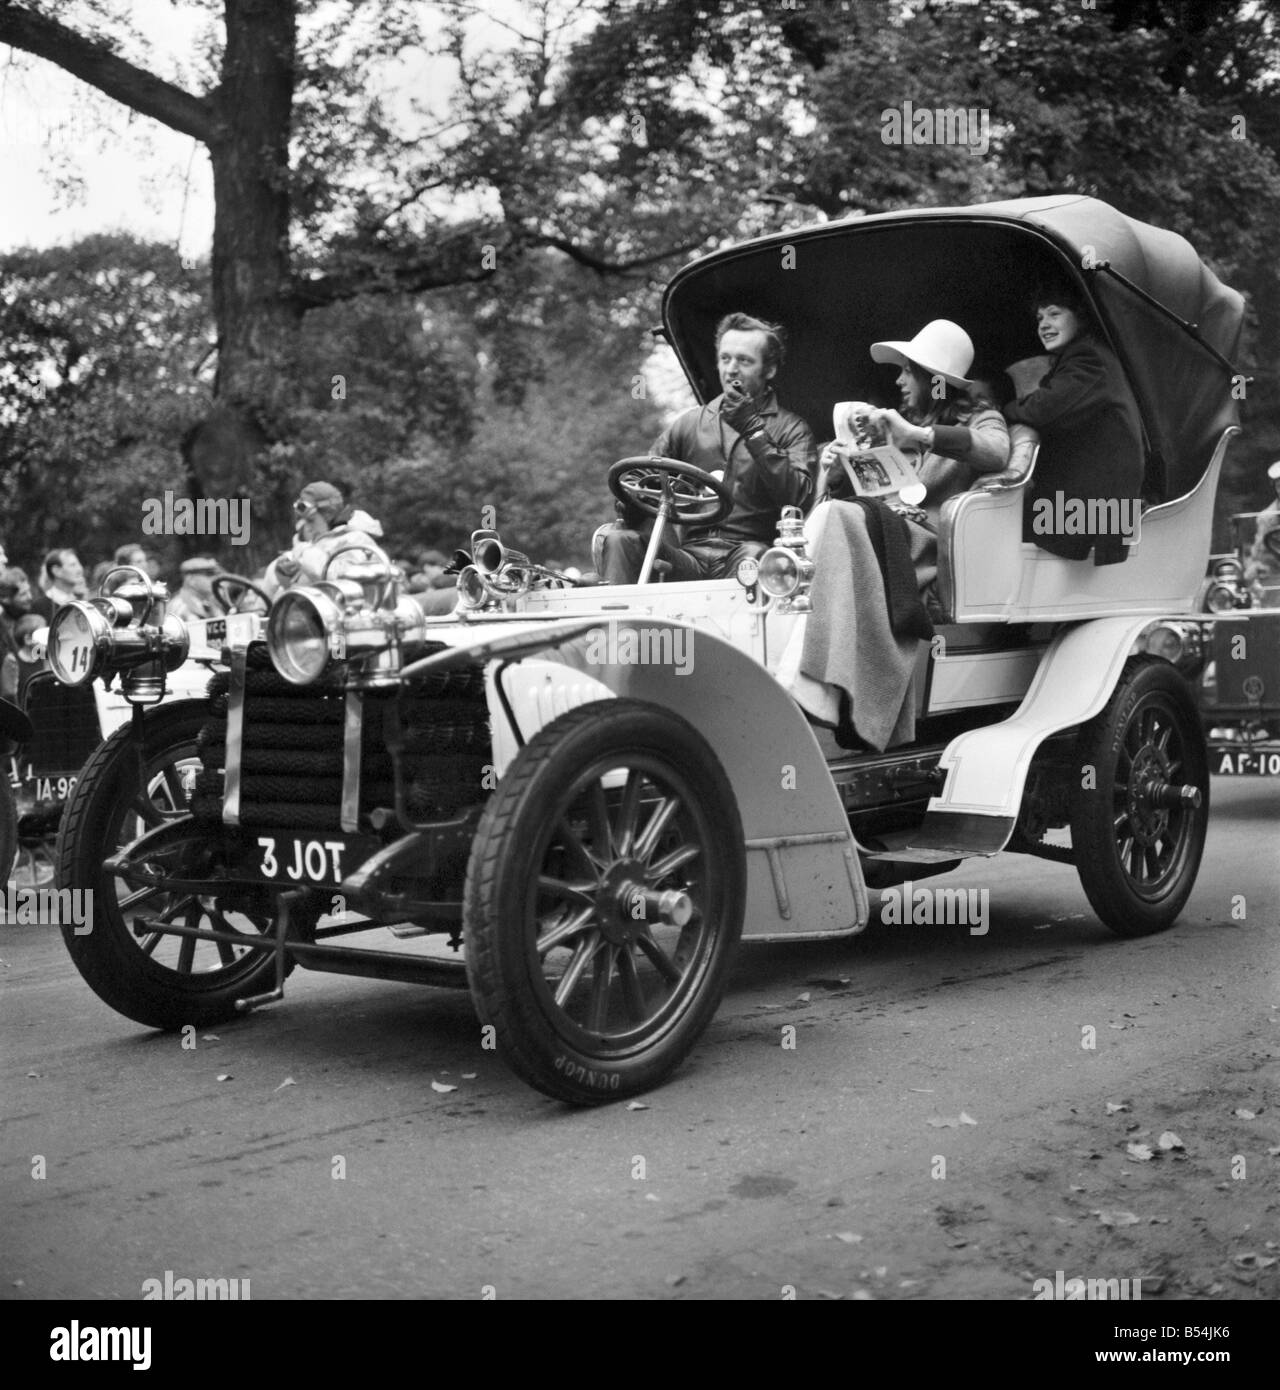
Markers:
(1220, 598)
(298, 638)
(779, 572)
(76, 637)
(1167, 641)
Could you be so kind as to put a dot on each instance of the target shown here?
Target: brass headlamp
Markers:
(786, 572)
(358, 617)
(124, 629)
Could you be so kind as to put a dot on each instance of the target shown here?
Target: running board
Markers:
(946, 836)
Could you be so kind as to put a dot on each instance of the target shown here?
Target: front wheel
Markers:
(604, 901)
(155, 978)
(1140, 813)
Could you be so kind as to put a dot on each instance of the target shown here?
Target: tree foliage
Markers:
(464, 210)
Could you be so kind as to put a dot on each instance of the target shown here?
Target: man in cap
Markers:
(1262, 570)
(195, 600)
(325, 525)
(764, 454)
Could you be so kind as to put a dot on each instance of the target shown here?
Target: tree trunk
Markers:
(257, 320)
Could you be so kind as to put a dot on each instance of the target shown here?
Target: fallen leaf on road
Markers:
(1076, 1187)
(469, 1075)
(1250, 1260)
(923, 1090)
(804, 998)
(224, 1076)
(1117, 1218)
(848, 1237)
(441, 1087)
(1117, 1107)
(862, 1295)
(675, 1280)
(1169, 1140)
(288, 1081)
(1140, 1153)
(34, 1074)
(1157, 1221)
(637, 1105)
(1274, 1150)
(1243, 1114)
(967, 1119)
(651, 1196)
(947, 1122)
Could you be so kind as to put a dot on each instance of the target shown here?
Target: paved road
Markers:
(304, 1149)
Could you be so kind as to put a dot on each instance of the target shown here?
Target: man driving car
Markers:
(765, 454)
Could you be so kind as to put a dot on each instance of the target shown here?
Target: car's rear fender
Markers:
(977, 809)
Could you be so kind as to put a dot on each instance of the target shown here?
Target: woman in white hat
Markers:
(948, 420)
(849, 663)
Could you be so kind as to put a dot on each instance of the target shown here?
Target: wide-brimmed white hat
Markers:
(942, 348)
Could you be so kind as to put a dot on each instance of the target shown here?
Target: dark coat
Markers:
(1090, 445)
(761, 488)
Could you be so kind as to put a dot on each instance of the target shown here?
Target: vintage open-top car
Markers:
(595, 791)
(1238, 670)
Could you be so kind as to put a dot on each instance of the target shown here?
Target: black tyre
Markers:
(604, 901)
(1138, 836)
(159, 980)
(8, 827)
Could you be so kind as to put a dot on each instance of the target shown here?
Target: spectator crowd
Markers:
(324, 523)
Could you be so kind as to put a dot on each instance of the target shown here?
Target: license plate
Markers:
(1247, 762)
(316, 861)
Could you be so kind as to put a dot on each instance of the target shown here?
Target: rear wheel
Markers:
(160, 980)
(1139, 817)
(605, 896)
(8, 827)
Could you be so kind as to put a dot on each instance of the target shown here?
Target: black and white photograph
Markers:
(494, 812)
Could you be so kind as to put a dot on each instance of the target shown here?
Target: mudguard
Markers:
(987, 767)
(804, 879)
(14, 723)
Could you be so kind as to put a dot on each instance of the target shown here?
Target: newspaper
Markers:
(876, 468)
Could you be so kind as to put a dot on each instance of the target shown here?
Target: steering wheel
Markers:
(670, 488)
(222, 581)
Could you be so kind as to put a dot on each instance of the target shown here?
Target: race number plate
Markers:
(308, 860)
(74, 648)
(1247, 762)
